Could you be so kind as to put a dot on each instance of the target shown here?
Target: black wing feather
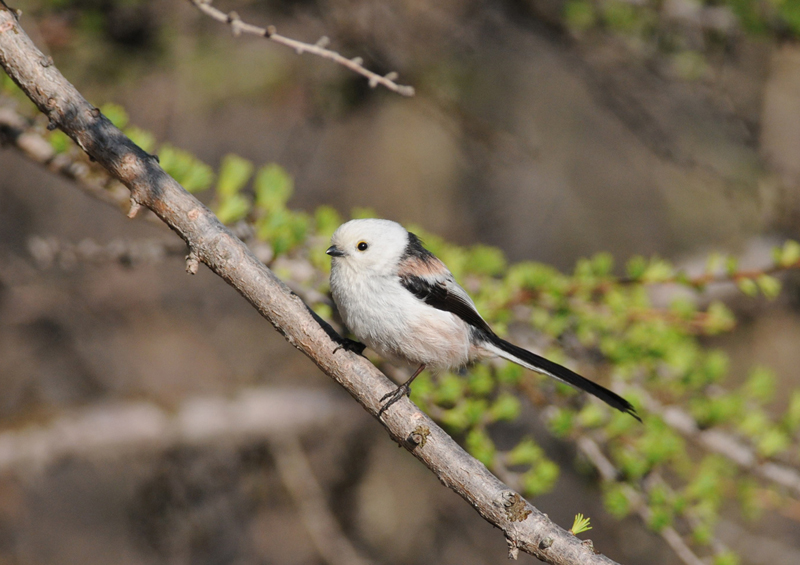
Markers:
(437, 295)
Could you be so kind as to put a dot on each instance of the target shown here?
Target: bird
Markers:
(401, 301)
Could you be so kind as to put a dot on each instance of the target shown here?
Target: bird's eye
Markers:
(362, 246)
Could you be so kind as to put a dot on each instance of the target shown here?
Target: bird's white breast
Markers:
(390, 320)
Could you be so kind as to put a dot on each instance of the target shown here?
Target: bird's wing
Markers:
(443, 293)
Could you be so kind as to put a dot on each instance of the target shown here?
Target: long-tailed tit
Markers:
(401, 301)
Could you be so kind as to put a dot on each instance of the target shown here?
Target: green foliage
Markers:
(59, 141)
(540, 478)
(115, 113)
(580, 524)
(580, 15)
(188, 170)
(234, 173)
(760, 385)
(481, 446)
(616, 500)
(726, 558)
(647, 22)
(145, 140)
(792, 418)
(485, 260)
(787, 255)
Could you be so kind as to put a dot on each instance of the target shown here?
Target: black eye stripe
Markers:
(362, 246)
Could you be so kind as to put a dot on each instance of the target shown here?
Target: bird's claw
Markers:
(394, 396)
(351, 345)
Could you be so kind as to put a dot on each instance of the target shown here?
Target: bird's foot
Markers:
(351, 345)
(394, 396)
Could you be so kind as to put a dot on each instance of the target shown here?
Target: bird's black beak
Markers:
(334, 251)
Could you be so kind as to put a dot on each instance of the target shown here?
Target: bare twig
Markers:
(728, 446)
(49, 251)
(299, 480)
(19, 132)
(118, 427)
(319, 48)
(524, 526)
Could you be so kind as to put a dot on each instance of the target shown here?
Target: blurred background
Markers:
(550, 129)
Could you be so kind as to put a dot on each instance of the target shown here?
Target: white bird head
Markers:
(372, 245)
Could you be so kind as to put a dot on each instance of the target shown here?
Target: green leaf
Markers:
(714, 262)
(450, 390)
(731, 265)
(273, 187)
(792, 417)
(636, 267)
(773, 442)
(456, 419)
(505, 408)
(789, 254)
(720, 318)
(480, 380)
(481, 446)
(144, 139)
(562, 422)
(630, 462)
(325, 312)
(620, 16)
(510, 373)
(659, 443)
(592, 415)
(526, 452)
(485, 260)
(658, 270)
(770, 286)
(579, 15)
(115, 113)
(703, 533)
(362, 213)
(59, 141)
(233, 208)
(747, 493)
(760, 385)
(326, 219)
(234, 172)
(748, 286)
(726, 557)
(616, 501)
(789, 11)
(660, 518)
(540, 478)
(190, 172)
(755, 423)
(725, 408)
(580, 524)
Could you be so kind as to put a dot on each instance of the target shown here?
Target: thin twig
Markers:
(49, 251)
(117, 427)
(319, 48)
(727, 445)
(299, 480)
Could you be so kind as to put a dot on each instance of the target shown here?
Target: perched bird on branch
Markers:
(401, 301)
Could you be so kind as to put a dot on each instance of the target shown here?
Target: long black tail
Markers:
(539, 364)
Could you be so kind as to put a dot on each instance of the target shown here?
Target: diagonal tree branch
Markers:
(210, 242)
